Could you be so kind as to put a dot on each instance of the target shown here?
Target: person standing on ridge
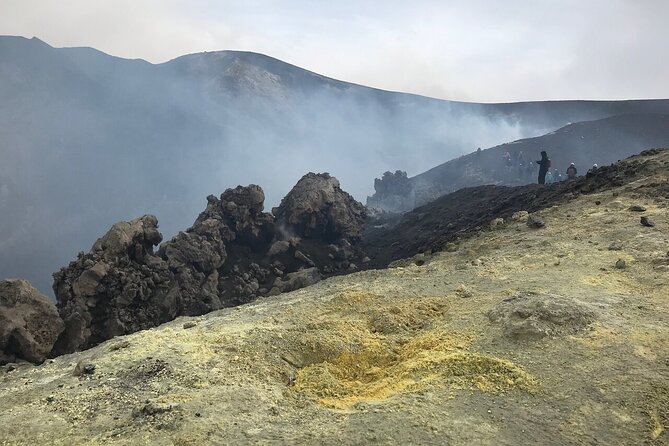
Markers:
(571, 172)
(544, 164)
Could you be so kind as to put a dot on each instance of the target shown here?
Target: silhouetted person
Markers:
(544, 163)
(571, 172)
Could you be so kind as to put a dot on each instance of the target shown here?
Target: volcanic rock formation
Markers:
(317, 207)
(119, 287)
(29, 322)
(233, 253)
(394, 192)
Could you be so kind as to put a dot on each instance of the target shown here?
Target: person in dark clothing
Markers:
(571, 171)
(544, 164)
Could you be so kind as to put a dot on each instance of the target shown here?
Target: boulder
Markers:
(645, 221)
(302, 257)
(278, 247)
(535, 222)
(29, 323)
(250, 197)
(241, 210)
(135, 238)
(296, 280)
(318, 208)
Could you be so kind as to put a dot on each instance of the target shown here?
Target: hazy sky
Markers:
(473, 50)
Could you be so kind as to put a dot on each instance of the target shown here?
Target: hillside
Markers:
(602, 141)
(87, 139)
(509, 335)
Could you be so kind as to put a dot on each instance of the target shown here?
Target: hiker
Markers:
(593, 168)
(549, 177)
(571, 172)
(557, 176)
(544, 164)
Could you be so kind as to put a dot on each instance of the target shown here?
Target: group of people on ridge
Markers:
(545, 175)
(518, 166)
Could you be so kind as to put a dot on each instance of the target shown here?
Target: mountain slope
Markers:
(603, 141)
(87, 139)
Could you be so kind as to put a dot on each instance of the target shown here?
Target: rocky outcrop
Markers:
(214, 261)
(233, 253)
(119, 287)
(317, 207)
(29, 323)
(393, 192)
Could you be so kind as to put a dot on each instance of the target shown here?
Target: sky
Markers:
(474, 50)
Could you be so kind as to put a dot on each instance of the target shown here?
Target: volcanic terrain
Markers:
(491, 326)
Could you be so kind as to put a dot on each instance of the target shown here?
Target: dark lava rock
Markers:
(298, 279)
(620, 264)
(299, 255)
(531, 316)
(250, 198)
(242, 212)
(645, 221)
(394, 192)
(534, 221)
(317, 207)
(233, 253)
(29, 323)
(616, 246)
(84, 368)
(637, 208)
(119, 287)
(214, 261)
(278, 247)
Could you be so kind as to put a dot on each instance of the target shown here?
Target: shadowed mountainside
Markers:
(602, 141)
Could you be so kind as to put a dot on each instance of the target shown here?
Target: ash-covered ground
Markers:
(490, 331)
